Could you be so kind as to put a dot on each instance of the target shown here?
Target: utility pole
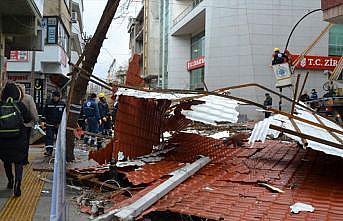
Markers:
(79, 84)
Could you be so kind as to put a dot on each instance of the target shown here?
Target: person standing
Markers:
(30, 105)
(314, 95)
(53, 112)
(268, 102)
(91, 113)
(13, 136)
(104, 113)
(278, 57)
(304, 97)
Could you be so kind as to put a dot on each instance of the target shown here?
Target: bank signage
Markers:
(196, 63)
(317, 62)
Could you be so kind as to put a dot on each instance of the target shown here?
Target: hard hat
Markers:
(276, 49)
(101, 95)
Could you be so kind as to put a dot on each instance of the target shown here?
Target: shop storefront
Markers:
(196, 66)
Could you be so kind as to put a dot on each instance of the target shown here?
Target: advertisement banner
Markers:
(317, 62)
(19, 56)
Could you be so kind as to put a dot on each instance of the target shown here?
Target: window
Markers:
(336, 40)
(197, 50)
(56, 33)
(197, 79)
(52, 30)
(198, 45)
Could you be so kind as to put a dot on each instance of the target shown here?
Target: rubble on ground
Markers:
(242, 181)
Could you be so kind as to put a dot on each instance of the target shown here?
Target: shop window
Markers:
(197, 50)
(336, 40)
(197, 79)
(198, 45)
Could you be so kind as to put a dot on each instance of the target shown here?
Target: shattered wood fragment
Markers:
(270, 187)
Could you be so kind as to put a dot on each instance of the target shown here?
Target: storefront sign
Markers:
(18, 77)
(22, 56)
(196, 63)
(317, 62)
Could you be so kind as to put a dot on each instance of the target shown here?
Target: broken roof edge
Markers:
(136, 208)
(281, 123)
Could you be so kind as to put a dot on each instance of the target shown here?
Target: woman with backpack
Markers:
(13, 115)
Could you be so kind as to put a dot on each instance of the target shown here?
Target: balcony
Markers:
(53, 60)
(333, 11)
(20, 23)
(186, 11)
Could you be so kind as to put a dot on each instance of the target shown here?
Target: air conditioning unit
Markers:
(74, 17)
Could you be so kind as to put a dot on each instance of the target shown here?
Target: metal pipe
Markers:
(295, 26)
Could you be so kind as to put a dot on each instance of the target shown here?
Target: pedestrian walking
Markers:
(13, 136)
(91, 113)
(53, 112)
(268, 102)
(30, 105)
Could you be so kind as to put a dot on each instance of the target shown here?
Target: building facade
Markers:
(225, 43)
(145, 37)
(20, 23)
(43, 72)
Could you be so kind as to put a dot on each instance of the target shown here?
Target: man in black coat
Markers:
(268, 102)
(13, 149)
(53, 112)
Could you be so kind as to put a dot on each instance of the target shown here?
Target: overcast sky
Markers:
(117, 43)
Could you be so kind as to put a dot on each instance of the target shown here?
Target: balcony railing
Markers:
(185, 12)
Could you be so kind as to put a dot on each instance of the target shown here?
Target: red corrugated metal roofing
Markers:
(228, 187)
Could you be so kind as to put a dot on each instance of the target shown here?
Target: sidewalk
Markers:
(34, 204)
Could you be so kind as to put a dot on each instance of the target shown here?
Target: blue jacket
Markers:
(91, 109)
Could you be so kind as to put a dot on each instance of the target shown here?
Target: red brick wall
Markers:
(327, 4)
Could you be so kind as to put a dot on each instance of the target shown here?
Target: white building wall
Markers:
(240, 37)
(179, 52)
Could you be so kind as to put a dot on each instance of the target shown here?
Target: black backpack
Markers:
(11, 119)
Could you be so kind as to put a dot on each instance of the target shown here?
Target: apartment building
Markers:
(20, 23)
(43, 72)
(145, 37)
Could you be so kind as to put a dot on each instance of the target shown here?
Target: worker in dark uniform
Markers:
(53, 112)
(104, 113)
(91, 113)
(268, 102)
(278, 57)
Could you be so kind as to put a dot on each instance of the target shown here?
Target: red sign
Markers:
(19, 56)
(196, 63)
(317, 62)
(18, 77)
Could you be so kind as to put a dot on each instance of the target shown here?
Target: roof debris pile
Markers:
(160, 136)
(229, 188)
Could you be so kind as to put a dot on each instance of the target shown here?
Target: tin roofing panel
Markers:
(261, 131)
